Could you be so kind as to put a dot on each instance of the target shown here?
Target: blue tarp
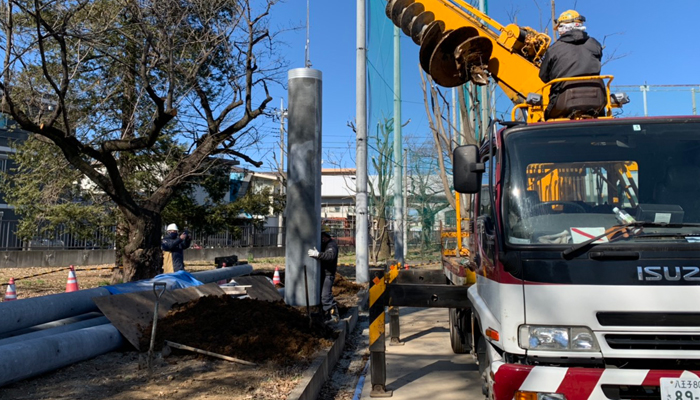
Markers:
(176, 280)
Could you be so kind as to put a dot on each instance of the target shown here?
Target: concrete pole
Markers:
(405, 204)
(55, 330)
(484, 89)
(24, 313)
(33, 357)
(695, 109)
(644, 90)
(398, 163)
(303, 187)
(361, 211)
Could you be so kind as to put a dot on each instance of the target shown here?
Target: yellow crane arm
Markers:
(458, 44)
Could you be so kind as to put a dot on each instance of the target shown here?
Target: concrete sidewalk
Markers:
(425, 367)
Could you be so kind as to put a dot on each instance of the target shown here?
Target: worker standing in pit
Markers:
(329, 264)
(574, 54)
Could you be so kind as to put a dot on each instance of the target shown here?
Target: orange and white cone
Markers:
(11, 292)
(72, 282)
(276, 277)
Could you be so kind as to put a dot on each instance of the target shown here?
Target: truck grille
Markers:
(648, 319)
(653, 342)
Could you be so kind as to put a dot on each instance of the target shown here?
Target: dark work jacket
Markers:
(174, 245)
(574, 54)
(329, 256)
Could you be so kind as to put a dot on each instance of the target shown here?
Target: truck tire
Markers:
(456, 338)
(484, 361)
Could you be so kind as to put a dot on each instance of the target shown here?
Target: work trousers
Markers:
(327, 299)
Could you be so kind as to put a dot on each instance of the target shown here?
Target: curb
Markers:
(315, 376)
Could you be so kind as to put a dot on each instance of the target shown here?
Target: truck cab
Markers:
(586, 249)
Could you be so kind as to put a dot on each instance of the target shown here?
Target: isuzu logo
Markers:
(659, 273)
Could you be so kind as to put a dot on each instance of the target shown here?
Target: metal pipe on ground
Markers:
(55, 330)
(25, 313)
(33, 357)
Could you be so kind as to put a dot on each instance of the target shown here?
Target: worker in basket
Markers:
(574, 54)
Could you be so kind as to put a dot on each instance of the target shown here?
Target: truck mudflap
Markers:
(580, 383)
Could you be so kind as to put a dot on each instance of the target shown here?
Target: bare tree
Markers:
(113, 83)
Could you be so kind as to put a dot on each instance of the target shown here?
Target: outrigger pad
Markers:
(443, 66)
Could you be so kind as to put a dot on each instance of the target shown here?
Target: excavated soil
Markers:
(252, 330)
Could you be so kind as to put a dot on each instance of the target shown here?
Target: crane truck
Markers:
(584, 232)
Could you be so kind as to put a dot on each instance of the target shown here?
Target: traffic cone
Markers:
(405, 266)
(11, 292)
(72, 282)
(276, 277)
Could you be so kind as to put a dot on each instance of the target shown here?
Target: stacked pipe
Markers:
(41, 334)
(451, 57)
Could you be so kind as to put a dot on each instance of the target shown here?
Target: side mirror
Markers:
(466, 170)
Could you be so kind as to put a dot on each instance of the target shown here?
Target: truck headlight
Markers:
(557, 338)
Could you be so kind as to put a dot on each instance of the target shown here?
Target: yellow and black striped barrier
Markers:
(377, 344)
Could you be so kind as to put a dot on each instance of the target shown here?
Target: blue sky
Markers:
(658, 41)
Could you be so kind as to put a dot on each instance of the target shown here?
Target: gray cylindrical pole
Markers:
(398, 163)
(215, 275)
(303, 185)
(695, 110)
(644, 90)
(55, 330)
(52, 324)
(361, 212)
(24, 313)
(405, 204)
(34, 357)
(483, 7)
(280, 216)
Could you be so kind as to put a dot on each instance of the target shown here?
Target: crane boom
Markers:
(458, 44)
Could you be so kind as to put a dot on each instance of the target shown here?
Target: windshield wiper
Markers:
(620, 228)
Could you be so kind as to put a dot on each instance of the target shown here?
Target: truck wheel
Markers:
(456, 339)
(484, 361)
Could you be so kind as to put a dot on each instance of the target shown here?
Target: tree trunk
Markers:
(142, 257)
(384, 248)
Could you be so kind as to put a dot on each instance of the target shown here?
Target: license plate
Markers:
(680, 388)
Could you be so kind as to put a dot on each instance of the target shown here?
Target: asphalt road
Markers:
(425, 366)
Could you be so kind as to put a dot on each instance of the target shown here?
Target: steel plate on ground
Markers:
(131, 313)
(443, 66)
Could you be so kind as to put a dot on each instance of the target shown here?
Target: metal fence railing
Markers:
(62, 238)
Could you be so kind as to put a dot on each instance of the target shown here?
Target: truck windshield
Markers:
(566, 184)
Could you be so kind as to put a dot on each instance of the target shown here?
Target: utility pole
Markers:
(361, 212)
(398, 164)
(645, 89)
(483, 7)
(554, 18)
(695, 110)
(405, 204)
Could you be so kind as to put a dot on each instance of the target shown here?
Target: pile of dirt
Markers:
(343, 286)
(252, 330)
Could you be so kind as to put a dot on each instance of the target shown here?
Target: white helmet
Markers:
(172, 227)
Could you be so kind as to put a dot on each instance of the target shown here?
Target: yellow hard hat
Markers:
(569, 16)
